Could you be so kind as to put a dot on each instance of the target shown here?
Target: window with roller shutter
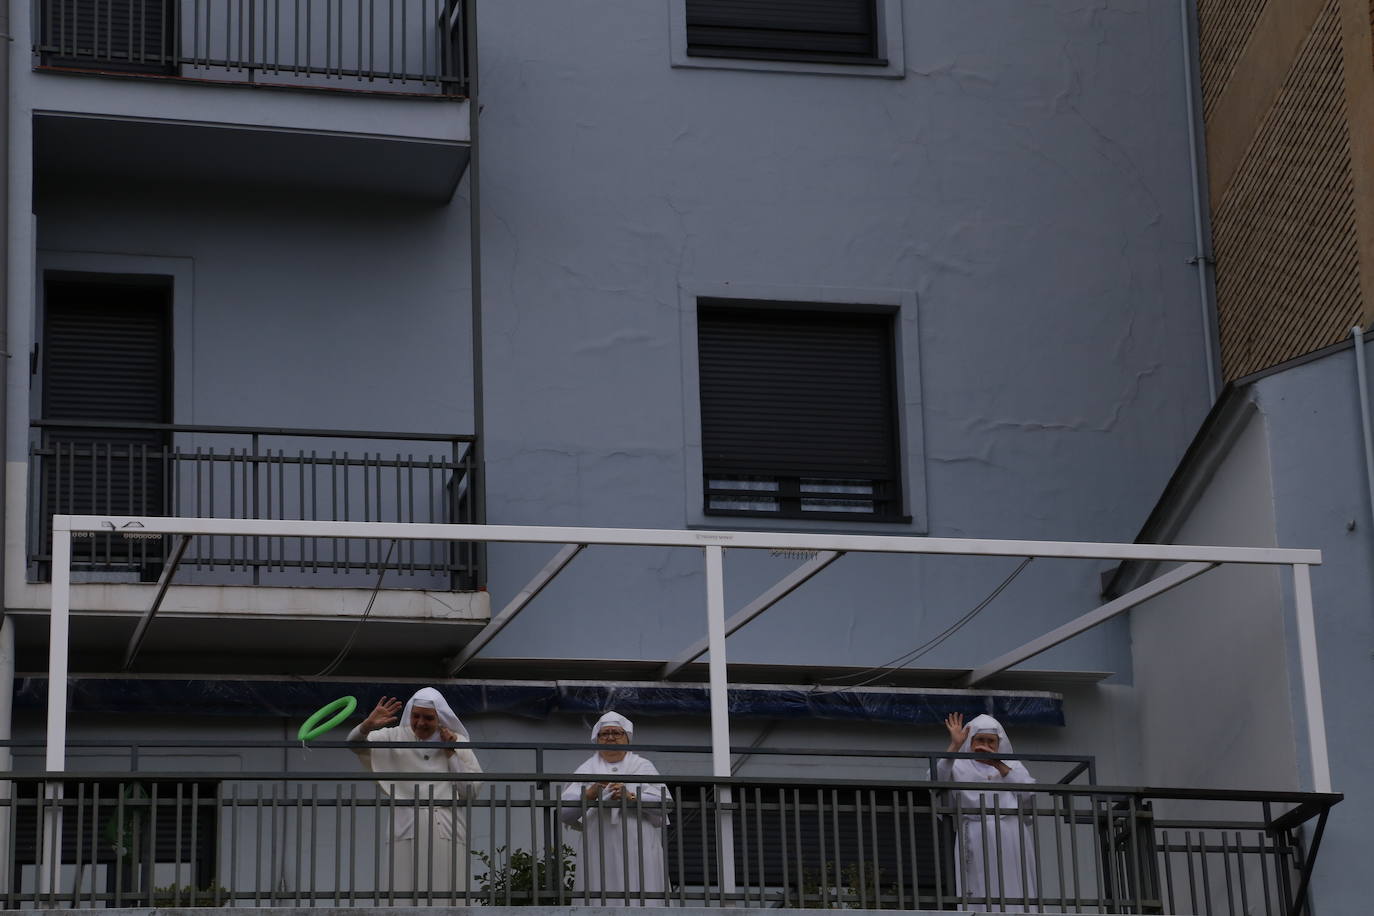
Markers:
(106, 357)
(824, 31)
(798, 411)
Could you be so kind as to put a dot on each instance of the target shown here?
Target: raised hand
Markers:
(447, 735)
(386, 712)
(958, 731)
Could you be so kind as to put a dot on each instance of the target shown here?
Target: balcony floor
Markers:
(251, 629)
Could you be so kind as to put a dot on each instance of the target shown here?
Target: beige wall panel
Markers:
(1357, 42)
(1255, 80)
(1223, 27)
(1284, 231)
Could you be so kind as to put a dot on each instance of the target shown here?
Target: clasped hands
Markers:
(618, 791)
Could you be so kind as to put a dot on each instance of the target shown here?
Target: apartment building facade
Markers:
(871, 267)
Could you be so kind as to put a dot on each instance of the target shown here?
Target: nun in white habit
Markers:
(994, 846)
(429, 849)
(622, 822)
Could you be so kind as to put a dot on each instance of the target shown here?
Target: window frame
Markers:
(888, 40)
(909, 427)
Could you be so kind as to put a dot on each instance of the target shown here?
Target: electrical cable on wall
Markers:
(357, 628)
(907, 658)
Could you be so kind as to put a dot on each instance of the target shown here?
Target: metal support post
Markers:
(720, 712)
(1310, 673)
(58, 633)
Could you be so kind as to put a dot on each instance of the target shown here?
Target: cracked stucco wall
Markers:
(1026, 181)
(1023, 190)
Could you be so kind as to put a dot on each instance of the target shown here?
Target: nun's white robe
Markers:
(429, 848)
(615, 833)
(995, 849)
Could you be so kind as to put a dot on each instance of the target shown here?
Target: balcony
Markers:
(102, 468)
(413, 47)
(150, 837)
(412, 589)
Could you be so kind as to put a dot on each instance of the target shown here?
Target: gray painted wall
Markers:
(1321, 500)
(1022, 192)
(1210, 657)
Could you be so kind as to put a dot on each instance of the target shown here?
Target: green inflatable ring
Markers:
(326, 717)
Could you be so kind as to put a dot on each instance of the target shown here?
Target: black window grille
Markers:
(120, 832)
(122, 36)
(825, 31)
(798, 412)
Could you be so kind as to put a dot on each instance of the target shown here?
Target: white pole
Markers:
(720, 711)
(58, 633)
(1310, 673)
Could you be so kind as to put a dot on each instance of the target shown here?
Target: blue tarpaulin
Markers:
(541, 699)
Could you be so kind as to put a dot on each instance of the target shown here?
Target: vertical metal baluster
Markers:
(367, 512)
(1000, 846)
(291, 813)
(257, 846)
(176, 867)
(1224, 855)
(353, 844)
(410, 505)
(1192, 878)
(1206, 869)
(1106, 886)
(1167, 855)
(1134, 852)
(348, 542)
(862, 857)
(706, 862)
(314, 510)
(95, 833)
(759, 806)
(233, 845)
(1263, 857)
(281, 509)
(939, 857)
(80, 826)
(1240, 873)
(820, 833)
(391, 41)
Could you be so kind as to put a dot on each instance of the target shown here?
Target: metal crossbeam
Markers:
(516, 605)
(1087, 621)
(784, 587)
(163, 581)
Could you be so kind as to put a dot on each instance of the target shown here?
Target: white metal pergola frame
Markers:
(826, 548)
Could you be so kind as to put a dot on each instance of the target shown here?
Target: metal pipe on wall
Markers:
(1202, 259)
(1362, 382)
(478, 484)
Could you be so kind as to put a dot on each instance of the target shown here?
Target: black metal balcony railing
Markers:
(393, 46)
(179, 470)
(319, 839)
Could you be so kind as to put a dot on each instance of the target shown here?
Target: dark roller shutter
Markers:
(127, 36)
(841, 31)
(106, 357)
(799, 397)
(788, 839)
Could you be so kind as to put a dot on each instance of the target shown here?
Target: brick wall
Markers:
(1284, 230)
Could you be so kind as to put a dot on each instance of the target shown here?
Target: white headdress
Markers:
(429, 698)
(613, 718)
(985, 723)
